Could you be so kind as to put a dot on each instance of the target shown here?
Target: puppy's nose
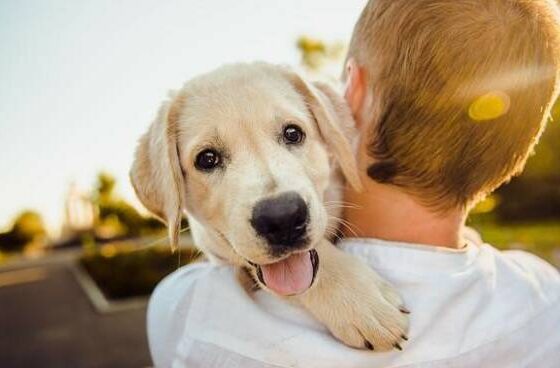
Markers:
(281, 220)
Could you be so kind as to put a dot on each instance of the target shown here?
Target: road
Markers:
(46, 320)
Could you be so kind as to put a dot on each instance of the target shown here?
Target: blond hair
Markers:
(461, 91)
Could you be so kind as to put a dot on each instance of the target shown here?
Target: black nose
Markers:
(281, 220)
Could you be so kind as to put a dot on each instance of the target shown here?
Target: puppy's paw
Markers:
(370, 316)
(355, 303)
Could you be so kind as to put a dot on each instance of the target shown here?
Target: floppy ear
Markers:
(156, 174)
(334, 120)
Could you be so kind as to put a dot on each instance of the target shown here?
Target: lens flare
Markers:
(489, 106)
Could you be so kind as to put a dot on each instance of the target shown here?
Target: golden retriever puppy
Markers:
(255, 157)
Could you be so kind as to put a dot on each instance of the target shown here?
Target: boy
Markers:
(449, 97)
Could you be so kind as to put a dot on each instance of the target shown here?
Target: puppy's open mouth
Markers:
(292, 275)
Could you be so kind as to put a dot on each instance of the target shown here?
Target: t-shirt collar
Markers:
(380, 253)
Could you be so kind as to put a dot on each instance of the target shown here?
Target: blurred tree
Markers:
(105, 186)
(535, 195)
(28, 227)
(116, 217)
(320, 57)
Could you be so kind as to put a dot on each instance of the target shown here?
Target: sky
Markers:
(80, 81)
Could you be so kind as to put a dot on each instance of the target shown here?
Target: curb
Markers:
(100, 303)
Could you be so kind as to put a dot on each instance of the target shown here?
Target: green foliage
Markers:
(542, 239)
(116, 213)
(315, 54)
(535, 195)
(122, 271)
(28, 227)
(127, 215)
(105, 185)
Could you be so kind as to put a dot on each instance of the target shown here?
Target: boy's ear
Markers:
(334, 120)
(156, 173)
(355, 88)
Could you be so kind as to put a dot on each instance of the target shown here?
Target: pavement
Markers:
(46, 320)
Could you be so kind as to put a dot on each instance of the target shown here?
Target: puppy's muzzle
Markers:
(282, 221)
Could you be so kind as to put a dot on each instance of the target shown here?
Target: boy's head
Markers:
(453, 94)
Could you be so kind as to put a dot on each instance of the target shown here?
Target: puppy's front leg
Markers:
(357, 306)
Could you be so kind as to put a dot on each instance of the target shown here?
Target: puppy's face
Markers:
(253, 168)
(255, 165)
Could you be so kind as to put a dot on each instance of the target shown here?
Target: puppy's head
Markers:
(247, 151)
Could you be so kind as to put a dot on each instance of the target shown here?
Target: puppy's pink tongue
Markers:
(290, 276)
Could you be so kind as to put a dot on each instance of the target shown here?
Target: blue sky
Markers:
(81, 80)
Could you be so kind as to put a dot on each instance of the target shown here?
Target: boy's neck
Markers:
(385, 212)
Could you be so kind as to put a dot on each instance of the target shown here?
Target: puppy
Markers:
(255, 156)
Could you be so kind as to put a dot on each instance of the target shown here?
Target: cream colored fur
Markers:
(241, 110)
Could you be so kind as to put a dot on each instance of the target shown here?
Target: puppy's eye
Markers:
(293, 134)
(207, 160)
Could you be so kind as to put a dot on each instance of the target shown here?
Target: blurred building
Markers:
(79, 213)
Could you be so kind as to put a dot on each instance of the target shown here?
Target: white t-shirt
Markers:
(476, 307)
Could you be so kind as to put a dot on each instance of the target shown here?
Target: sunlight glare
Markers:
(489, 106)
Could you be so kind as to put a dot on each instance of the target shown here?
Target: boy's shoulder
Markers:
(193, 273)
(530, 268)
(502, 300)
(201, 315)
(526, 267)
(171, 304)
(179, 288)
(532, 264)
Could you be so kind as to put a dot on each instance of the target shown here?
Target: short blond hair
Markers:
(433, 68)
